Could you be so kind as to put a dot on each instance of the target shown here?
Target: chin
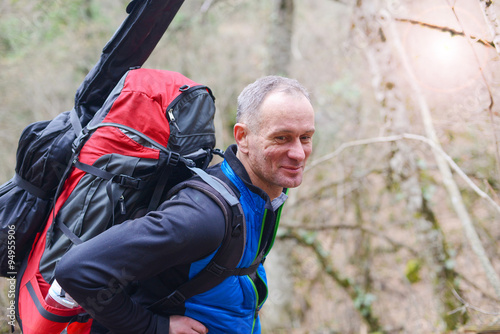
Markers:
(292, 183)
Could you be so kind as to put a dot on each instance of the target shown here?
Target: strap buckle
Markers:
(82, 318)
(79, 140)
(216, 269)
(129, 181)
(173, 158)
(176, 297)
(238, 221)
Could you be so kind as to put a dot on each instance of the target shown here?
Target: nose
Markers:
(296, 151)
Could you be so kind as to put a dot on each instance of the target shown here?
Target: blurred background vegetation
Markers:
(396, 226)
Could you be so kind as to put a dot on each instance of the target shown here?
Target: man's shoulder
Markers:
(216, 171)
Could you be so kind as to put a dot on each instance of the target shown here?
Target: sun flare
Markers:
(444, 61)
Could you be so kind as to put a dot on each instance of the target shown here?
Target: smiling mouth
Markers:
(292, 168)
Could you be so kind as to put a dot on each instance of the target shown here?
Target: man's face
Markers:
(276, 152)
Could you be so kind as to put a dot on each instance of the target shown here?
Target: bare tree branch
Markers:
(346, 145)
(453, 32)
(444, 167)
(492, 101)
(484, 294)
(206, 5)
(420, 138)
(455, 168)
(325, 260)
(468, 305)
(492, 21)
(323, 227)
(342, 2)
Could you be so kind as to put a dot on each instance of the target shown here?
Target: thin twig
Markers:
(455, 168)
(467, 305)
(483, 77)
(453, 32)
(344, 146)
(206, 6)
(492, 21)
(444, 168)
(423, 139)
(484, 294)
(324, 227)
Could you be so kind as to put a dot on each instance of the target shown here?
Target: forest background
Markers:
(396, 226)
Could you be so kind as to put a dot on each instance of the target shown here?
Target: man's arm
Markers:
(95, 273)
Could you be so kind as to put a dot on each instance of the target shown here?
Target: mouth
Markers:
(292, 169)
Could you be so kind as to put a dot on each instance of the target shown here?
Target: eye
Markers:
(306, 139)
(280, 139)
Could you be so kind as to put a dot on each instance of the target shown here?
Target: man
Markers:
(158, 252)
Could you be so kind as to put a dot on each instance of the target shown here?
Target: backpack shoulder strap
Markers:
(229, 254)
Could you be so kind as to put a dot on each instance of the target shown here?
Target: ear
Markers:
(241, 132)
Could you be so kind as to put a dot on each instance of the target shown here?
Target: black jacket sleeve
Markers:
(185, 229)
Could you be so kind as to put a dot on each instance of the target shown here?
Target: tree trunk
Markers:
(278, 308)
(281, 37)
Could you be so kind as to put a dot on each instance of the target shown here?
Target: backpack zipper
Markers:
(184, 90)
(171, 118)
(121, 201)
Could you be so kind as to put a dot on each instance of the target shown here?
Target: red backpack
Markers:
(45, 147)
(141, 135)
(153, 126)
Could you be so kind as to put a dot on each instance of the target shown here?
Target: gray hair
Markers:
(252, 96)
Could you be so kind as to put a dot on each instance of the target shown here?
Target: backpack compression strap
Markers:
(229, 254)
(40, 192)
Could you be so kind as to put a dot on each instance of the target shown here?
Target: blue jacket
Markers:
(118, 274)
